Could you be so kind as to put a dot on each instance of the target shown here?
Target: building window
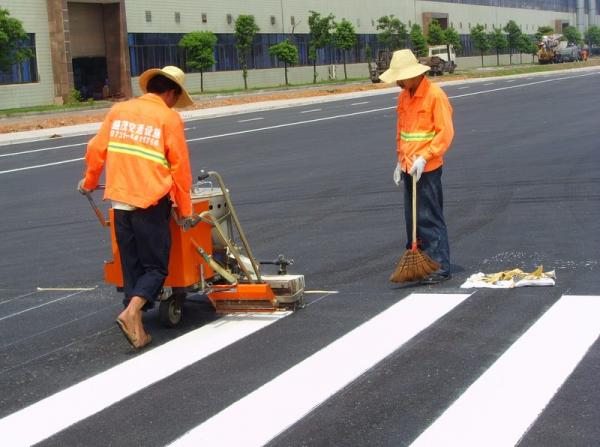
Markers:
(148, 16)
(23, 72)
(272, 20)
(204, 17)
(229, 19)
(358, 23)
(293, 20)
(177, 17)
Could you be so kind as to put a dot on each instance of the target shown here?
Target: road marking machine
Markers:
(206, 258)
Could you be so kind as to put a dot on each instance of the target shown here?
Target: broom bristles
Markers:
(413, 265)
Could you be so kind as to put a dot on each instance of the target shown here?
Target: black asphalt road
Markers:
(522, 189)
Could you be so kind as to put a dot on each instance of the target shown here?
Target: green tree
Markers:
(245, 30)
(12, 34)
(418, 41)
(436, 35)
(592, 35)
(497, 41)
(480, 40)
(527, 45)
(451, 37)
(320, 36)
(513, 36)
(345, 39)
(572, 35)
(393, 33)
(200, 51)
(543, 31)
(287, 53)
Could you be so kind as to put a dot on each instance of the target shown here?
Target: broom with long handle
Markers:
(414, 264)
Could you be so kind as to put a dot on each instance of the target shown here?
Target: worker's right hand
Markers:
(187, 222)
(80, 187)
(397, 174)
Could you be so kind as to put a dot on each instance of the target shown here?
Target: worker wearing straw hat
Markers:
(142, 144)
(424, 134)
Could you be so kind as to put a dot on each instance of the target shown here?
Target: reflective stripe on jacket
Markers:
(424, 126)
(142, 142)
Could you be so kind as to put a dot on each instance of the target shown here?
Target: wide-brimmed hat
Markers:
(404, 65)
(176, 75)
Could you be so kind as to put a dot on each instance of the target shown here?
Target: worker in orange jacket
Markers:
(424, 134)
(142, 146)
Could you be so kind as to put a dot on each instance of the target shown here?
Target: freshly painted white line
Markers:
(310, 111)
(359, 103)
(501, 405)
(320, 291)
(59, 411)
(258, 118)
(464, 87)
(489, 83)
(510, 80)
(62, 298)
(290, 396)
(26, 168)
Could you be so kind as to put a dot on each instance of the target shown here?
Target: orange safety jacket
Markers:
(424, 126)
(142, 142)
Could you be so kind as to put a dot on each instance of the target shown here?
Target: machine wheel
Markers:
(170, 311)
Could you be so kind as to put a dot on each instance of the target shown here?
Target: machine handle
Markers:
(97, 212)
(203, 175)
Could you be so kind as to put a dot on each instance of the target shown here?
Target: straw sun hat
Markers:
(404, 65)
(176, 75)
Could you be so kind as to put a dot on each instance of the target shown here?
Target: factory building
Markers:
(100, 47)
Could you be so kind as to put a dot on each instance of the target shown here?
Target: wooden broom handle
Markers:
(414, 212)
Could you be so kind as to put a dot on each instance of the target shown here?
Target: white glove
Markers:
(80, 187)
(397, 174)
(417, 168)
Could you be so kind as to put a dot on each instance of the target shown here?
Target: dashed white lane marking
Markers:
(298, 123)
(44, 149)
(510, 80)
(489, 83)
(320, 291)
(258, 118)
(500, 406)
(65, 408)
(359, 103)
(464, 87)
(310, 111)
(289, 397)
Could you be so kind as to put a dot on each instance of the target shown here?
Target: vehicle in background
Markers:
(438, 60)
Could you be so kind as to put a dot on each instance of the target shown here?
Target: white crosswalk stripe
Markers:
(529, 372)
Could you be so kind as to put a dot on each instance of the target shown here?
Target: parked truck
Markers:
(438, 60)
(553, 49)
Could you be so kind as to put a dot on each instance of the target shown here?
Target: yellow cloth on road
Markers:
(509, 279)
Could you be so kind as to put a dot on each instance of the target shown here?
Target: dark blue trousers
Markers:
(144, 241)
(432, 233)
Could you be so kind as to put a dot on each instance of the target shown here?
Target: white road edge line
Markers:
(65, 408)
(498, 408)
(290, 396)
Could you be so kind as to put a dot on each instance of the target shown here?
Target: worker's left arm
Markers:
(444, 129)
(178, 156)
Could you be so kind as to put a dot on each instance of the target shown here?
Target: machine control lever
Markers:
(282, 262)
